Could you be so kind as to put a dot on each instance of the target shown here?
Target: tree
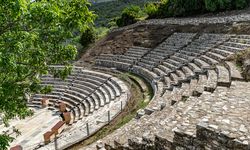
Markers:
(129, 16)
(35, 34)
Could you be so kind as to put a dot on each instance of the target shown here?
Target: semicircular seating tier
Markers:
(182, 58)
(92, 99)
(184, 67)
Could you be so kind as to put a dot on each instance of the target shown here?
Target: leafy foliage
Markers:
(87, 37)
(240, 4)
(169, 8)
(109, 11)
(4, 141)
(33, 36)
(211, 5)
(129, 16)
(152, 9)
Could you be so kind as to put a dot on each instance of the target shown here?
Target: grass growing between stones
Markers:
(141, 94)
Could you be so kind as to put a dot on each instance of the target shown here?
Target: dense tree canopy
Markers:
(35, 34)
(172, 8)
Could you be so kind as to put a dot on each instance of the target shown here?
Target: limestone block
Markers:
(17, 147)
(48, 137)
(62, 107)
(59, 127)
(45, 102)
(67, 117)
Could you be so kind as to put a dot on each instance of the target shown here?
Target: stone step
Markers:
(183, 58)
(136, 51)
(179, 126)
(216, 56)
(234, 71)
(247, 37)
(167, 83)
(189, 91)
(114, 89)
(134, 55)
(179, 59)
(128, 57)
(150, 62)
(130, 61)
(229, 48)
(180, 93)
(174, 79)
(222, 52)
(237, 45)
(109, 92)
(196, 50)
(159, 71)
(117, 85)
(170, 66)
(154, 56)
(199, 89)
(74, 106)
(224, 78)
(202, 64)
(173, 62)
(191, 55)
(209, 60)
(76, 95)
(181, 75)
(188, 72)
(79, 102)
(145, 65)
(195, 68)
(166, 124)
(113, 64)
(238, 40)
(163, 53)
(165, 69)
(211, 84)
(145, 73)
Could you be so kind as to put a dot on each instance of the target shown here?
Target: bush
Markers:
(240, 4)
(169, 8)
(129, 16)
(211, 5)
(88, 36)
(152, 10)
(184, 7)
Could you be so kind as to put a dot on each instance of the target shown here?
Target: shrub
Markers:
(169, 8)
(152, 9)
(129, 16)
(211, 5)
(88, 36)
(239, 4)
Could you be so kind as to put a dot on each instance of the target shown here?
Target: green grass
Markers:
(101, 32)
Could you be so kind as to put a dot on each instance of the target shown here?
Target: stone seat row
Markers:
(210, 121)
(178, 70)
(207, 75)
(194, 49)
(82, 93)
(177, 125)
(135, 54)
(199, 61)
(209, 58)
